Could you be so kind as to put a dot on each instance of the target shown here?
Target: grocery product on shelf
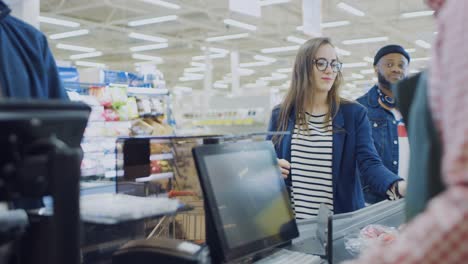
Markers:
(118, 110)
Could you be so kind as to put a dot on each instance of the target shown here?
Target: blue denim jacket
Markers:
(27, 67)
(385, 135)
(352, 148)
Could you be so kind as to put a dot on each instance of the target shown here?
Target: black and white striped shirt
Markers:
(311, 167)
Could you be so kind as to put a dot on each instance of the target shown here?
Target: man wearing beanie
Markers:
(388, 131)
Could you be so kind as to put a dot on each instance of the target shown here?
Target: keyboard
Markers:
(287, 256)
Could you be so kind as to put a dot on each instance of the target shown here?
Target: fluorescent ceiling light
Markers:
(212, 56)
(342, 52)
(152, 20)
(335, 24)
(194, 69)
(147, 57)
(369, 59)
(188, 79)
(146, 37)
(245, 72)
(280, 49)
(413, 71)
(226, 37)
(216, 50)
(86, 55)
(264, 58)
(90, 64)
(255, 64)
(285, 70)
(355, 64)
(220, 85)
(197, 64)
(273, 2)
(423, 44)
(296, 40)
(417, 14)
(350, 9)
(149, 47)
(239, 24)
(75, 48)
(368, 71)
(350, 85)
(59, 22)
(69, 34)
(162, 3)
(410, 50)
(364, 40)
(357, 76)
(421, 59)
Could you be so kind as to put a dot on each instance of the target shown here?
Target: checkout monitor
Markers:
(247, 204)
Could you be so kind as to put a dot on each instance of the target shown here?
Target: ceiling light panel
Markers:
(75, 48)
(149, 47)
(364, 40)
(86, 55)
(58, 22)
(423, 44)
(227, 37)
(280, 49)
(212, 56)
(140, 36)
(417, 14)
(350, 9)
(162, 3)
(69, 34)
(273, 2)
(335, 24)
(297, 40)
(90, 64)
(239, 24)
(154, 20)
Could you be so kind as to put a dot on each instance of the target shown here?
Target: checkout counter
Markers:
(387, 213)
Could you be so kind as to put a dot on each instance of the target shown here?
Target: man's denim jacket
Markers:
(385, 135)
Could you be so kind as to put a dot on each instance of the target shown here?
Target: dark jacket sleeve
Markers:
(53, 82)
(368, 160)
(273, 124)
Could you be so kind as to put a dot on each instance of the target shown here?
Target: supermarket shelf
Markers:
(165, 156)
(147, 91)
(157, 176)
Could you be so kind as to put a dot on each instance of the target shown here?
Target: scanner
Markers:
(161, 250)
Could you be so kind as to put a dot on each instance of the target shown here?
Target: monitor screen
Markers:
(246, 197)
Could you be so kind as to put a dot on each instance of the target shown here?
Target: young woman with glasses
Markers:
(329, 138)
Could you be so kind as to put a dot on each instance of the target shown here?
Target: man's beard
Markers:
(384, 83)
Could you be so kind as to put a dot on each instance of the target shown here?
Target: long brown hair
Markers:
(300, 95)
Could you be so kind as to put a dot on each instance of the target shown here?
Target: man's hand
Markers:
(402, 188)
(284, 166)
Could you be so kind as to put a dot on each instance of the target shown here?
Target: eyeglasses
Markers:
(322, 64)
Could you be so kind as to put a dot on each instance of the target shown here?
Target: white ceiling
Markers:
(107, 22)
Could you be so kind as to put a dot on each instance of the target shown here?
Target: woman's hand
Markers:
(284, 166)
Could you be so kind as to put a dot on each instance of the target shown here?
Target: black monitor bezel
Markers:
(214, 219)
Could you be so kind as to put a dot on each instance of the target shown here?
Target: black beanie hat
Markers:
(390, 49)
